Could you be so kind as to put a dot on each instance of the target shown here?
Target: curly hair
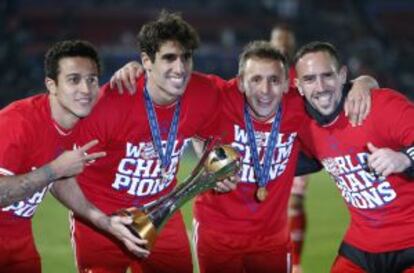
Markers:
(168, 26)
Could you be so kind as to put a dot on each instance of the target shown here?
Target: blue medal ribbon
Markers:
(262, 173)
(155, 130)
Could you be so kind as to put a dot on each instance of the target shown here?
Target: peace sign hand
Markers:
(72, 163)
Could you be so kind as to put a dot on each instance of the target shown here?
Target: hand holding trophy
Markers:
(217, 163)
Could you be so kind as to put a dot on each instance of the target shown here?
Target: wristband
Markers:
(410, 153)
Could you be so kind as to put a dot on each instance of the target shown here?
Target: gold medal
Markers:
(261, 194)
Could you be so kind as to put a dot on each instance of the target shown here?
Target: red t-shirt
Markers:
(29, 140)
(238, 212)
(130, 174)
(382, 211)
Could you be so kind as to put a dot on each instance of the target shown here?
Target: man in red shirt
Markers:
(144, 136)
(262, 121)
(372, 164)
(36, 132)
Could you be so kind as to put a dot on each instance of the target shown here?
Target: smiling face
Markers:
(320, 80)
(169, 73)
(264, 83)
(74, 92)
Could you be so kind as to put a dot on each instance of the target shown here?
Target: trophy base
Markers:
(141, 225)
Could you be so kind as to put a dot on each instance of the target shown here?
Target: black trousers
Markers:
(383, 262)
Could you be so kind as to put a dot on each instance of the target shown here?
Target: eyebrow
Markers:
(77, 73)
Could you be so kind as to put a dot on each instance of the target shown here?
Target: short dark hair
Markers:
(68, 48)
(168, 26)
(318, 46)
(261, 50)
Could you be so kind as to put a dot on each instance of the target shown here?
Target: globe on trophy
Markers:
(217, 163)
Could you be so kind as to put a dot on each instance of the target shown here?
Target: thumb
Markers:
(371, 147)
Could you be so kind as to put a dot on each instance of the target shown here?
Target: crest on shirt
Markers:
(260, 138)
(148, 151)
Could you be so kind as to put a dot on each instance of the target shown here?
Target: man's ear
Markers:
(240, 84)
(296, 81)
(50, 85)
(146, 61)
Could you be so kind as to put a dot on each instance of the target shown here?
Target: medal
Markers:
(261, 194)
(262, 173)
(156, 136)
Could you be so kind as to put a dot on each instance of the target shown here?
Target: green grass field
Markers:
(327, 220)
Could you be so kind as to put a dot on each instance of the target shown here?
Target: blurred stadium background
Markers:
(374, 36)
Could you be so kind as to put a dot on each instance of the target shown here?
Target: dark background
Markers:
(374, 37)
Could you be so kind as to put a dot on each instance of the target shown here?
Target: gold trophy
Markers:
(217, 163)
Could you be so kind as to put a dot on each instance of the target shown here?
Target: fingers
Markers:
(125, 220)
(89, 158)
(356, 113)
(128, 79)
(357, 109)
(136, 250)
(385, 161)
(93, 156)
(132, 242)
(132, 75)
(376, 163)
(367, 107)
(361, 113)
(371, 147)
(119, 223)
(112, 82)
(116, 82)
(88, 145)
(226, 185)
(381, 168)
(139, 71)
(376, 156)
(347, 106)
(362, 108)
(350, 111)
(221, 187)
(123, 77)
(387, 171)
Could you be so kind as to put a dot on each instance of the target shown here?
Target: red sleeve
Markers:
(213, 107)
(393, 118)
(13, 143)
(217, 82)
